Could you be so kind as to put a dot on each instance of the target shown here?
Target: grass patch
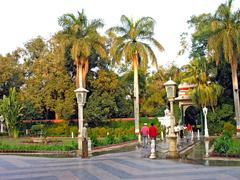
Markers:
(16, 144)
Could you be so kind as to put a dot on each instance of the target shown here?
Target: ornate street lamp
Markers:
(205, 110)
(171, 94)
(81, 95)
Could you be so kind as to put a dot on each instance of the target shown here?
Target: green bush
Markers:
(38, 129)
(235, 147)
(110, 139)
(223, 143)
(47, 147)
(59, 129)
(229, 128)
(121, 123)
(217, 119)
(94, 140)
(74, 129)
(101, 136)
(4, 134)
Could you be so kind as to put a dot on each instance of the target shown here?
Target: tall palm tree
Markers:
(82, 36)
(224, 40)
(131, 41)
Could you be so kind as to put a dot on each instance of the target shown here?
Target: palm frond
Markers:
(151, 55)
(157, 44)
(126, 22)
(117, 29)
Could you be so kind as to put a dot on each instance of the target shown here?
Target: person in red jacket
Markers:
(152, 131)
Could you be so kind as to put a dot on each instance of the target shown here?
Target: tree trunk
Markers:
(57, 116)
(236, 94)
(80, 72)
(84, 72)
(77, 74)
(136, 93)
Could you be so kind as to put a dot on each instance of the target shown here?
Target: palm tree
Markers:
(82, 37)
(131, 42)
(205, 93)
(224, 40)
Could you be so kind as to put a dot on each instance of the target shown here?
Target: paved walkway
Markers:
(127, 165)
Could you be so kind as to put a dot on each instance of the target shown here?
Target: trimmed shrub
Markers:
(223, 143)
(229, 128)
(38, 129)
(60, 129)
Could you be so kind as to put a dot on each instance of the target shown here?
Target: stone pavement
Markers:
(127, 165)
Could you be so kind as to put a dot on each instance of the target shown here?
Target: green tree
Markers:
(10, 109)
(11, 74)
(154, 100)
(50, 86)
(82, 37)
(130, 41)
(34, 48)
(108, 99)
(224, 42)
(201, 25)
(204, 93)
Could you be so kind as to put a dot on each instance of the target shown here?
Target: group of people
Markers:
(183, 130)
(150, 132)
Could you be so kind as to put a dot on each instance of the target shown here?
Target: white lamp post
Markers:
(171, 94)
(81, 95)
(1, 121)
(205, 110)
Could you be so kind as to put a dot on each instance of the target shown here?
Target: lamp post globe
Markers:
(170, 87)
(81, 95)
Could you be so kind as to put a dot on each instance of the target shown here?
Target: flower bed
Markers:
(40, 152)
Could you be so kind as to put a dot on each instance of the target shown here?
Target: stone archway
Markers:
(189, 111)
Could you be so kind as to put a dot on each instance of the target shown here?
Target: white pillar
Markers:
(89, 147)
(139, 138)
(153, 150)
(1, 122)
(1, 127)
(80, 125)
(198, 134)
(162, 138)
(192, 137)
(206, 148)
(172, 119)
(172, 152)
(205, 122)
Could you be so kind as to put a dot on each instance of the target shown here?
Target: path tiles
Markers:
(128, 165)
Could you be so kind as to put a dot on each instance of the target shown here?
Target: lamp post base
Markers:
(206, 133)
(172, 152)
(153, 149)
(139, 138)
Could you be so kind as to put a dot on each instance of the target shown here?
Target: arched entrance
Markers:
(190, 113)
(192, 116)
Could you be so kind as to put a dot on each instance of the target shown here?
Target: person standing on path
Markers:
(145, 133)
(153, 133)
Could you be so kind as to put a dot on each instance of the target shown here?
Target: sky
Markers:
(22, 20)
